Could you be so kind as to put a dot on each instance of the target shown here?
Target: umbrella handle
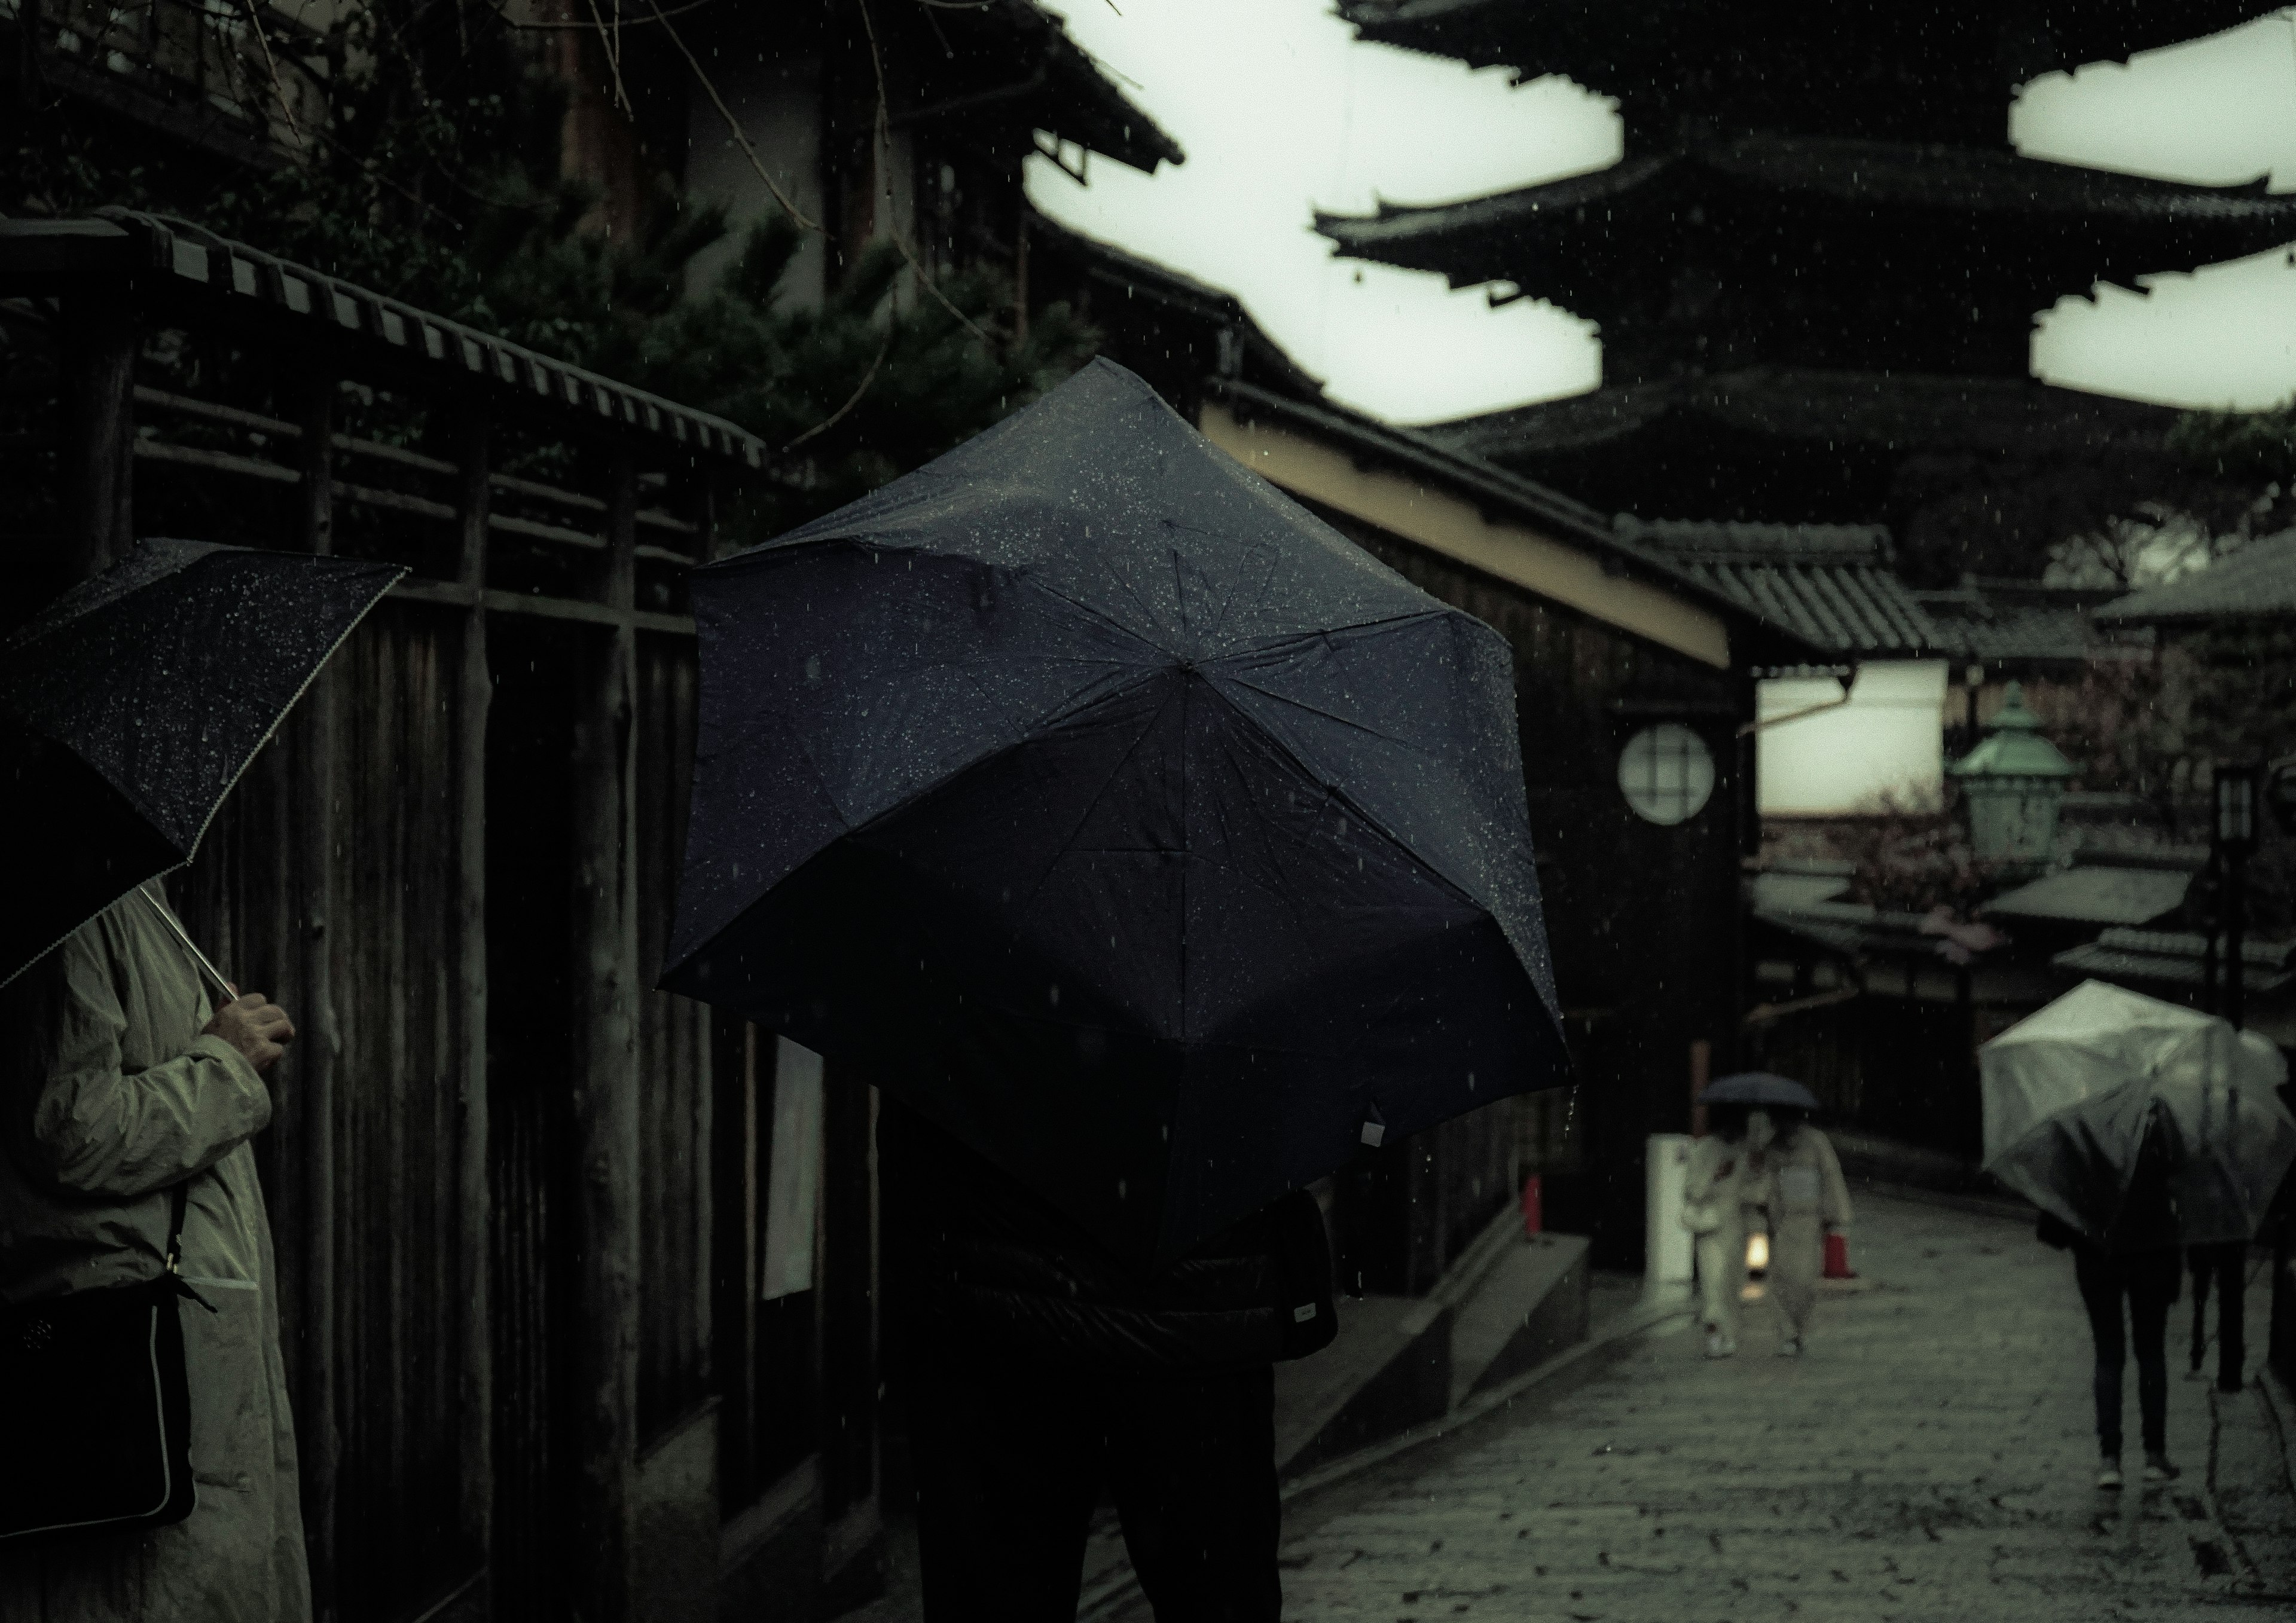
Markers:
(189, 947)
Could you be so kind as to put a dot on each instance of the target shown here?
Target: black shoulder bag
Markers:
(95, 1407)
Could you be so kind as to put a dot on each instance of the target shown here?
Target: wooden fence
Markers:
(490, 1168)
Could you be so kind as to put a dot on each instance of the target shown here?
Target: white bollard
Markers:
(1668, 1249)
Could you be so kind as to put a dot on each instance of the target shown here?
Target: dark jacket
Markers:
(976, 1265)
(2140, 1251)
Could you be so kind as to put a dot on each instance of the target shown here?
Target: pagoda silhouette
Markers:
(1817, 269)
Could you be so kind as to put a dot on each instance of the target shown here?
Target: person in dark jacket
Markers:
(1042, 1373)
(2139, 1261)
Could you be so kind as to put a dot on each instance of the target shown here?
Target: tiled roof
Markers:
(2114, 894)
(2017, 622)
(1895, 410)
(1832, 582)
(1068, 95)
(1943, 228)
(1134, 276)
(1704, 189)
(173, 260)
(1499, 490)
(2144, 957)
(2257, 582)
(1526, 33)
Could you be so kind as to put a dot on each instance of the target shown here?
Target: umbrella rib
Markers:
(1068, 843)
(294, 699)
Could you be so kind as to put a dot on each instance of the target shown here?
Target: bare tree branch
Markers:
(832, 421)
(883, 140)
(733, 124)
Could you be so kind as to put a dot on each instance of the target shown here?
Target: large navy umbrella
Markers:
(132, 704)
(1109, 808)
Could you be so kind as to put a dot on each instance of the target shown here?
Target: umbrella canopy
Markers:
(1121, 815)
(129, 708)
(1758, 1087)
(2071, 1091)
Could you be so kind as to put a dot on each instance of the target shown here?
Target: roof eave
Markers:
(1503, 492)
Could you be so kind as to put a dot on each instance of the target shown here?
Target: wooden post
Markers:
(318, 1036)
(474, 498)
(605, 1083)
(99, 338)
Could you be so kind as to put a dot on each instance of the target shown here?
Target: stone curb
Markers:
(2280, 1404)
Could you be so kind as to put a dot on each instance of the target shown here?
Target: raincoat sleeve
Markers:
(1717, 1167)
(98, 1129)
(1833, 1209)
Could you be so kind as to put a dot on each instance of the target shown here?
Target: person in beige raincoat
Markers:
(125, 1082)
(1800, 1183)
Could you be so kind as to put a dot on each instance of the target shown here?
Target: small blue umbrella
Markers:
(1758, 1087)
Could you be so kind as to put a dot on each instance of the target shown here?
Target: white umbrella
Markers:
(2071, 1090)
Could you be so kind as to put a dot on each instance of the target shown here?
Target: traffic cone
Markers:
(1534, 1218)
(1837, 1257)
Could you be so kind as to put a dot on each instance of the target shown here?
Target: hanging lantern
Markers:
(2014, 784)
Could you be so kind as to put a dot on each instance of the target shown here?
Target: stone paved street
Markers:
(1930, 1459)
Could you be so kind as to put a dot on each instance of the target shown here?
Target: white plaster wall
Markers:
(778, 104)
(1888, 740)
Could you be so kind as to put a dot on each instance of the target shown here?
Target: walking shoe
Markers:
(2157, 1469)
(1719, 1346)
(1790, 1348)
(2108, 1475)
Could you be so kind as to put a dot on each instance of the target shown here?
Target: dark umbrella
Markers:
(130, 706)
(1758, 1087)
(1117, 814)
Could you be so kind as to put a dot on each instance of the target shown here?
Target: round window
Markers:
(1666, 774)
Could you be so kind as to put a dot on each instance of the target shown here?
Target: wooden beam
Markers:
(606, 981)
(453, 595)
(319, 1035)
(98, 336)
(475, 1184)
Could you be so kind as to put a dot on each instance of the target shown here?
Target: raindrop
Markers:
(1056, 995)
(813, 667)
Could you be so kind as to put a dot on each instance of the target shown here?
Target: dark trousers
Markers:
(2226, 1265)
(2149, 1283)
(1012, 1460)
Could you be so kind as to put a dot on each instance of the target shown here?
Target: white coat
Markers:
(130, 1101)
(1719, 1177)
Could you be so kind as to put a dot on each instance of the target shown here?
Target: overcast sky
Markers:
(1281, 112)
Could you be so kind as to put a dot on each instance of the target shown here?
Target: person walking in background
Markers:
(1715, 1192)
(124, 1084)
(1799, 1183)
(2138, 1262)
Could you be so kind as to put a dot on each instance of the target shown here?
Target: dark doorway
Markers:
(529, 1054)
